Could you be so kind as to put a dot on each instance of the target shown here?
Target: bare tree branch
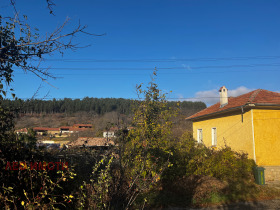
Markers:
(21, 45)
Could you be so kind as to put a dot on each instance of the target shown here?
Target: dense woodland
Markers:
(98, 106)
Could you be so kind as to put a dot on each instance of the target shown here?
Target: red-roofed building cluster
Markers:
(61, 131)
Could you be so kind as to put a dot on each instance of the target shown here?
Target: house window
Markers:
(214, 136)
(199, 135)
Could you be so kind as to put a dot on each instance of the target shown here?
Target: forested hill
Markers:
(96, 105)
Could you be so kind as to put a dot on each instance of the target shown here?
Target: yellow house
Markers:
(248, 123)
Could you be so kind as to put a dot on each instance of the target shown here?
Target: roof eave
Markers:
(247, 106)
(221, 112)
(267, 104)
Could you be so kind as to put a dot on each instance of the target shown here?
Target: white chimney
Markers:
(223, 96)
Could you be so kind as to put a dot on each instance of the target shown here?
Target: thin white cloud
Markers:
(208, 96)
(212, 96)
(239, 91)
(186, 66)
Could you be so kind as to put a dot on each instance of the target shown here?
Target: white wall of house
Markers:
(108, 134)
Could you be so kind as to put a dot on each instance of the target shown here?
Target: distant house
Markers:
(69, 130)
(40, 131)
(110, 133)
(73, 130)
(91, 142)
(82, 126)
(249, 123)
(46, 131)
(64, 129)
(22, 131)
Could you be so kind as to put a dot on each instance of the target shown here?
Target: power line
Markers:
(164, 60)
(125, 74)
(159, 68)
(130, 74)
(177, 73)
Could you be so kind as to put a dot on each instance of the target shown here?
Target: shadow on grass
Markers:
(204, 191)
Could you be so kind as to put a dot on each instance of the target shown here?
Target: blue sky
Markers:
(242, 38)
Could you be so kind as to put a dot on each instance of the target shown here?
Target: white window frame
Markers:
(214, 137)
(199, 140)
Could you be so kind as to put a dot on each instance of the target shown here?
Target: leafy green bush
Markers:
(198, 172)
(191, 158)
(224, 164)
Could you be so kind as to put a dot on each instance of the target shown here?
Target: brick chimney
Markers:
(223, 96)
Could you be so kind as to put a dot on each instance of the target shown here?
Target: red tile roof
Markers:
(78, 129)
(257, 97)
(23, 130)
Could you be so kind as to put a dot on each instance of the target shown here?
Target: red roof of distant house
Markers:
(45, 129)
(77, 129)
(90, 141)
(257, 97)
(23, 130)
